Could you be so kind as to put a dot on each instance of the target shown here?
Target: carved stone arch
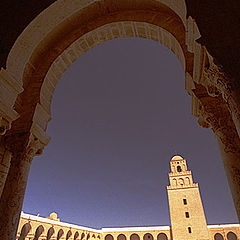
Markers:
(60, 234)
(76, 236)
(148, 236)
(134, 236)
(69, 234)
(109, 237)
(39, 231)
(50, 233)
(231, 236)
(218, 236)
(121, 237)
(47, 30)
(162, 236)
(25, 230)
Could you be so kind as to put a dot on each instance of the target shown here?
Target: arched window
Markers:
(134, 236)
(121, 237)
(231, 236)
(82, 236)
(108, 237)
(180, 181)
(50, 233)
(162, 236)
(179, 169)
(38, 232)
(69, 234)
(148, 236)
(187, 181)
(174, 182)
(60, 234)
(25, 230)
(218, 236)
(76, 235)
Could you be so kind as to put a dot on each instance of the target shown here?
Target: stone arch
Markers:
(134, 236)
(50, 233)
(69, 234)
(88, 236)
(60, 234)
(39, 231)
(109, 237)
(105, 33)
(162, 236)
(121, 237)
(148, 236)
(25, 230)
(167, 27)
(231, 236)
(76, 235)
(218, 236)
(160, 20)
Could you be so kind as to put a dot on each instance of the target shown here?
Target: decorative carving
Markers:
(218, 82)
(214, 113)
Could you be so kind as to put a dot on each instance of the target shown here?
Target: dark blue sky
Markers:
(119, 114)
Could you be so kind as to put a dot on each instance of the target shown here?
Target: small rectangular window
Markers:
(187, 214)
(189, 230)
(185, 201)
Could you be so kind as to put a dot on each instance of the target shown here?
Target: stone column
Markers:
(23, 147)
(214, 113)
(217, 82)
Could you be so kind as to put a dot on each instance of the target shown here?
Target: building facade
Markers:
(188, 221)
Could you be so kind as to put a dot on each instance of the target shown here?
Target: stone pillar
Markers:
(217, 82)
(214, 113)
(23, 147)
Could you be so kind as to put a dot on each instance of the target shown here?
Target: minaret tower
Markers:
(188, 220)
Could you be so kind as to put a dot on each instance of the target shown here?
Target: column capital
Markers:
(24, 146)
(214, 113)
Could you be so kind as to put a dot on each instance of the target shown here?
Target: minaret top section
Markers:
(180, 176)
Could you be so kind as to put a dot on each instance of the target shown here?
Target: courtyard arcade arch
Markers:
(63, 32)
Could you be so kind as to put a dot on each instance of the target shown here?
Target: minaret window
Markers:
(187, 214)
(179, 169)
(189, 230)
(185, 201)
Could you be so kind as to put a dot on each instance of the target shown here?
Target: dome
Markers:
(177, 157)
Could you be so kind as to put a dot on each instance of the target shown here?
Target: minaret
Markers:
(188, 220)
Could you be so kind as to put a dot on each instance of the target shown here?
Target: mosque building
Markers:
(188, 221)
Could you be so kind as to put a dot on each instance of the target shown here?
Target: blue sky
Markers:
(119, 114)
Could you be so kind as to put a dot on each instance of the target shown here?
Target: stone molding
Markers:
(102, 34)
(9, 90)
